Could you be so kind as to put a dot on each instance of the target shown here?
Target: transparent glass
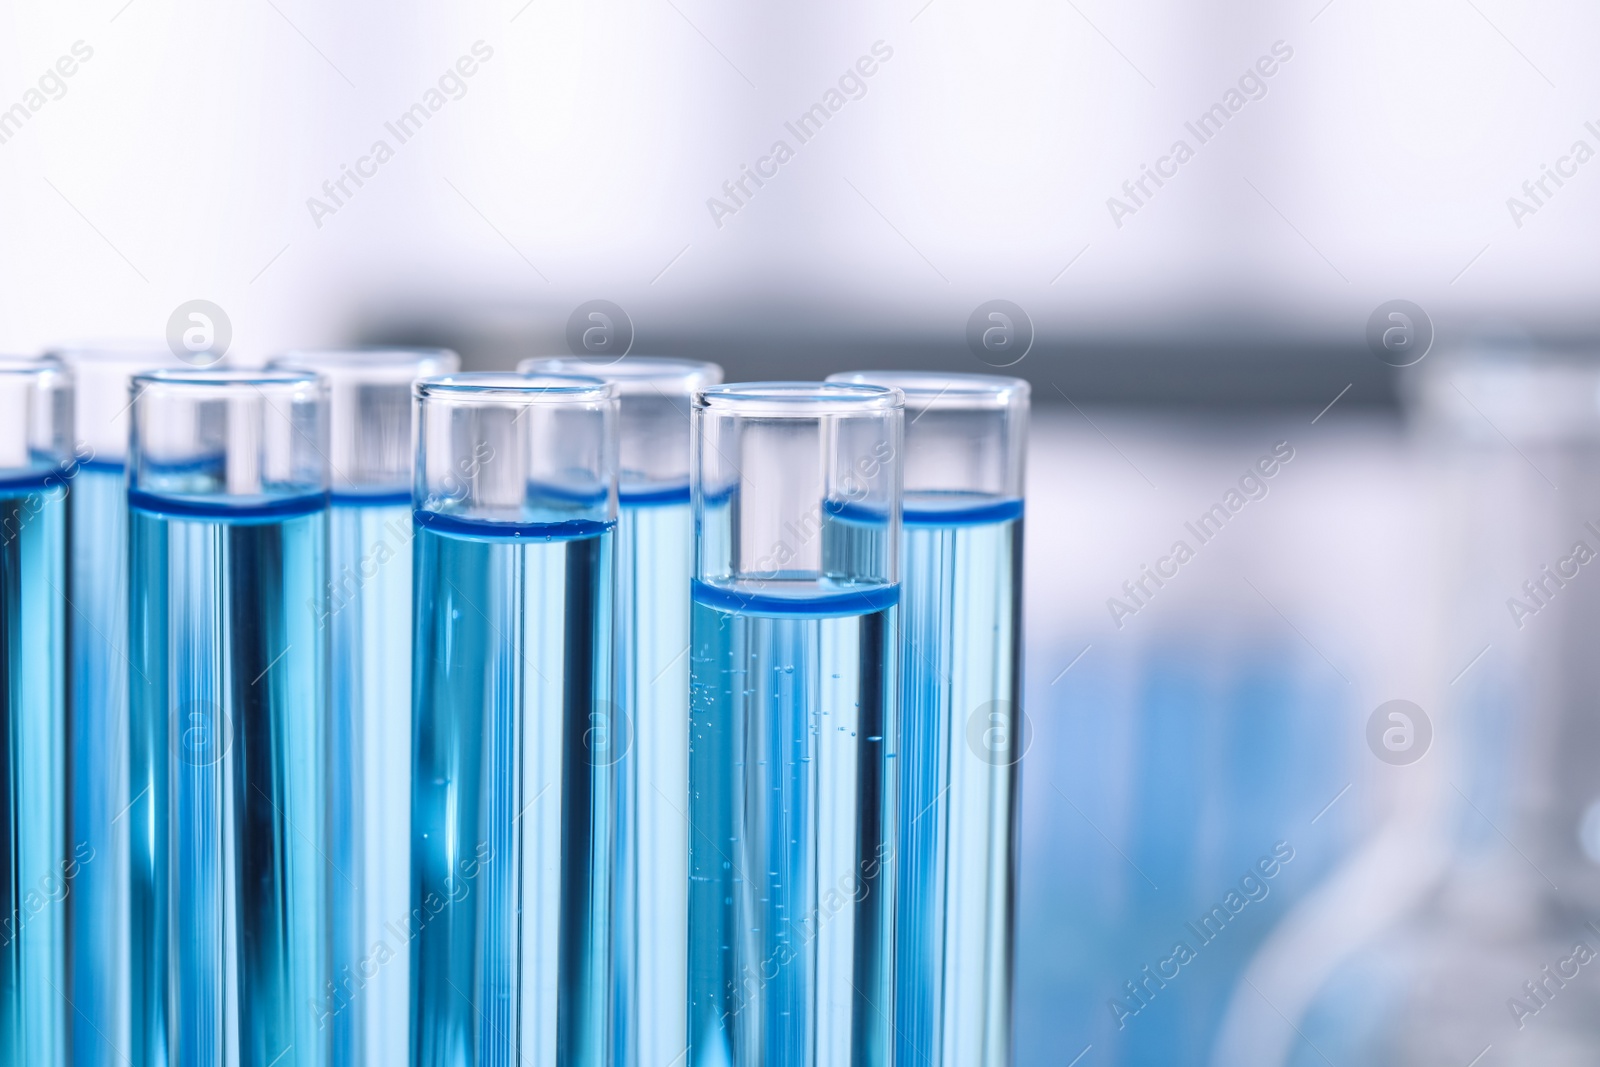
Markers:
(513, 809)
(369, 413)
(103, 372)
(97, 723)
(36, 860)
(960, 676)
(966, 438)
(655, 553)
(654, 395)
(368, 619)
(516, 449)
(778, 463)
(229, 441)
(793, 725)
(228, 718)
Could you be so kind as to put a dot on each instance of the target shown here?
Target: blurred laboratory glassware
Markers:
(1488, 953)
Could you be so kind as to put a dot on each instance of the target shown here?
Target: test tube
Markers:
(655, 554)
(227, 495)
(961, 725)
(513, 804)
(97, 719)
(36, 864)
(367, 613)
(793, 733)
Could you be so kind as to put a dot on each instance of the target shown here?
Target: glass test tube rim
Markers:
(942, 391)
(798, 399)
(510, 389)
(32, 364)
(224, 378)
(634, 375)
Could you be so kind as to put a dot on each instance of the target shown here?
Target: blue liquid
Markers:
(98, 734)
(513, 810)
(1192, 755)
(655, 556)
(960, 746)
(791, 854)
(369, 623)
(229, 862)
(36, 867)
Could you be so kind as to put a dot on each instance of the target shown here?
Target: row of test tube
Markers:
(358, 711)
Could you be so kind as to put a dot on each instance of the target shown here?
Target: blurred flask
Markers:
(1174, 755)
(1496, 961)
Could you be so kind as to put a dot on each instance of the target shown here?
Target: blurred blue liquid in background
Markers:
(1193, 775)
(1156, 782)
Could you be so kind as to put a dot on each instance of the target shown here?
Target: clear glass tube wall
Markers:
(367, 614)
(97, 719)
(655, 554)
(227, 476)
(793, 709)
(513, 808)
(36, 865)
(961, 728)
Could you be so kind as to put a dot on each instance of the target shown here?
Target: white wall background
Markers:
(577, 165)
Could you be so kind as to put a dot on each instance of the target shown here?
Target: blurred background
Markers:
(1197, 219)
